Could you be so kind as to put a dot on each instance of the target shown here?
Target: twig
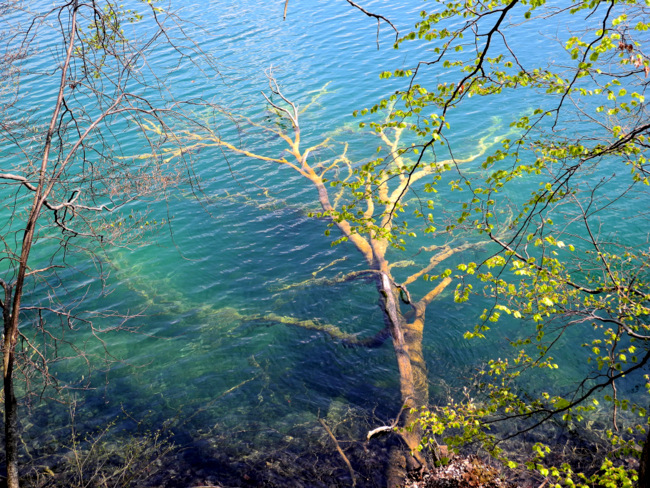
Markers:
(340, 451)
(383, 428)
(286, 4)
(376, 16)
(386, 428)
(614, 413)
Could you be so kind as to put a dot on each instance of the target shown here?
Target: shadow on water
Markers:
(241, 400)
(279, 441)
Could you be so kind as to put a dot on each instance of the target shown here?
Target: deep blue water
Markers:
(195, 363)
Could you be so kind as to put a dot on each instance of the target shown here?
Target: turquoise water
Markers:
(239, 393)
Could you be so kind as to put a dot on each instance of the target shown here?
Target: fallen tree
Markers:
(363, 209)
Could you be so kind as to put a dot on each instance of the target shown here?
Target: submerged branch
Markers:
(386, 428)
(332, 330)
(446, 252)
(429, 297)
(286, 5)
(339, 450)
(341, 278)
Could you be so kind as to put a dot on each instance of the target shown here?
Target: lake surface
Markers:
(243, 396)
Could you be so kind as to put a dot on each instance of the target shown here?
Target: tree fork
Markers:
(370, 234)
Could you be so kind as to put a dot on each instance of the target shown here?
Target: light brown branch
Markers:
(428, 298)
(341, 278)
(286, 4)
(340, 451)
(386, 428)
(332, 330)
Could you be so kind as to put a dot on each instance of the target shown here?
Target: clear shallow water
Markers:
(230, 386)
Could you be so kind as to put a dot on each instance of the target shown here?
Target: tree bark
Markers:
(11, 429)
(11, 410)
(407, 342)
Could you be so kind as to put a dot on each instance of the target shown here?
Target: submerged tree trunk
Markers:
(370, 233)
(414, 389)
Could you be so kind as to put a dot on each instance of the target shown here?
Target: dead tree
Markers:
(370, 232)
